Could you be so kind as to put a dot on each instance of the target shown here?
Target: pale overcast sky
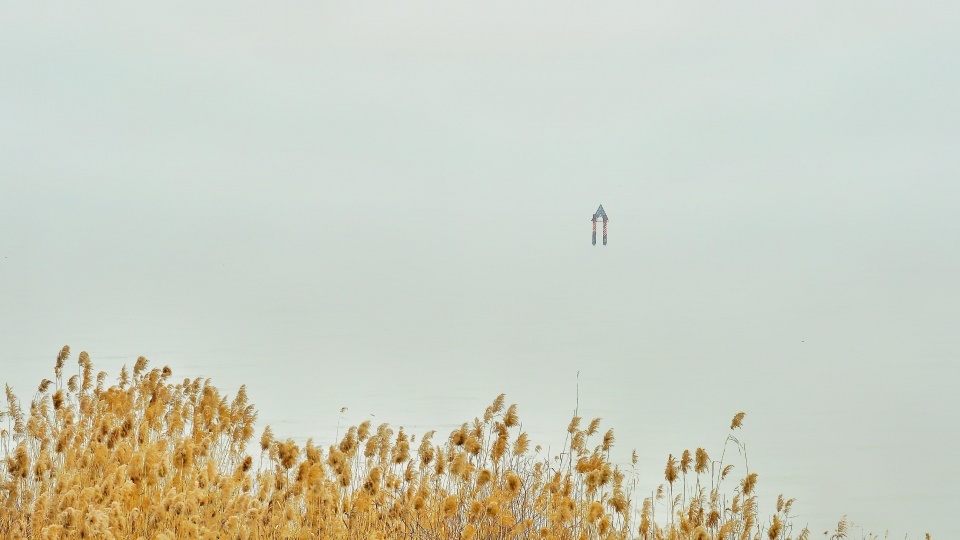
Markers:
(385, 206)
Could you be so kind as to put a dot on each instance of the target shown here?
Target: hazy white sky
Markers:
(386, 206)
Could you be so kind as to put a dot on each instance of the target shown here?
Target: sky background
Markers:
(385, 206)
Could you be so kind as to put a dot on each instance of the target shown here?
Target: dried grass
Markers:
(155, 459)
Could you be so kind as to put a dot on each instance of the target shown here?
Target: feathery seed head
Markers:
(266, 440)
(593, 427)
(670, 472)
(702, 461)
(521, 445)
(61, 358)
(748, 483)
(608, 440)
(511, 419)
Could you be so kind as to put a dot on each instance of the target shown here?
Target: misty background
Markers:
(386, 207)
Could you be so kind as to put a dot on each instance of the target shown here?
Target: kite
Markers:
(599, 214)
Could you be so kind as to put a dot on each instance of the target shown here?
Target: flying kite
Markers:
(599, 214)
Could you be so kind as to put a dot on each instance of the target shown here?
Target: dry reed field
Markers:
(151, 458)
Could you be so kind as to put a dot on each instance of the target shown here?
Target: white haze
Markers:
(385, 206)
